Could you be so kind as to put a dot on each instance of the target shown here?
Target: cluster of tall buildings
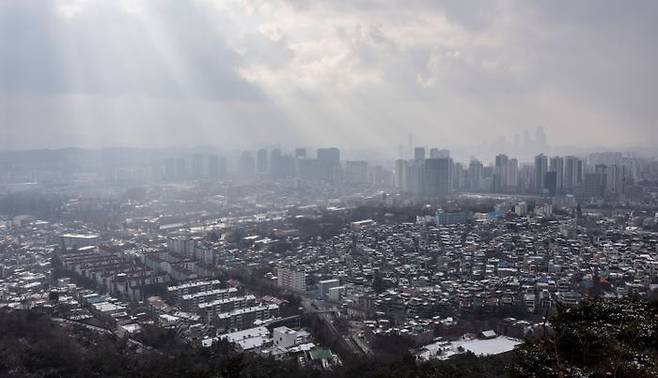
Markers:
(437, 174)
(326, 166)
(197, 166)
(277, 164)
(431, 172)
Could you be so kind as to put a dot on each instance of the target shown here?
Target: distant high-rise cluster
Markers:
(429, 172)
(198, 166)
(275, 163)
(433, 176)
(602, 176)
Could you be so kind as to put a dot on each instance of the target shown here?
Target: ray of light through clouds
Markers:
(347, 73)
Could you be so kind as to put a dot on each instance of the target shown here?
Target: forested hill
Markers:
(599, 338)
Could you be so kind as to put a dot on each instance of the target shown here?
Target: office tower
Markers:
(415, 177)
(246, 164)
(500, 173)
(550, 183)
(573, 167)
(474, 175)
(419, 153)
(593, 185)
(287, 165)
(401, 168)
(356, 172)
(276, 169)
(213, 166)
(527, 178)
(438, 176)
(602, 171)
(446, 168)
(431, 177)
(281, 165)
(329, 163)
(329, 155)
(197, 165)
(458, 177)
(261, 162)
(616, 179)
(309, 169)
(512, 175)
(541, 167)
(300, 153)
(557, 166)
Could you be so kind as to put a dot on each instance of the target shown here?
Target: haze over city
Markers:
(356, 74)
(330, 188)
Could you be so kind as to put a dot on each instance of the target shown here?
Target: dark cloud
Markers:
(453, 72)
(105, 50)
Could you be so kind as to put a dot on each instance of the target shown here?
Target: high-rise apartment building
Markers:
(573, 173)
(500, 173)
(401, 168)
(438, 176)
(261, 161)
(557, 165)
(291, 279)
(474, 176)
(541, 167)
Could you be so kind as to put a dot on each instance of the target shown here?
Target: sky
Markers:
(350, 73)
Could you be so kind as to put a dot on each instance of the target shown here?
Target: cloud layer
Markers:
(350, 73)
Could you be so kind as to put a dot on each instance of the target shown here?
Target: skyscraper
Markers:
(512, 175)
(329, 155)
(573, 168)
(616, 179)
(246, 164)
(261, 161)
(276, 166)
(329, 163)
(401, 167)
(438, 176)
(500, 173)
(356, 172)
(541, 167)
(557, 166)
(550, 182)
(474, 175)
(419, 153)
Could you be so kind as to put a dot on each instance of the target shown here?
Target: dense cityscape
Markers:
(328, 189)
(316, 259)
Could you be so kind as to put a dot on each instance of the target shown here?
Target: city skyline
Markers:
(328, 188)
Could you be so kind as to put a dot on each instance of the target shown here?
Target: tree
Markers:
(615, 337)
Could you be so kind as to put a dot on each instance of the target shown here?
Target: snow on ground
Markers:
(446, 349)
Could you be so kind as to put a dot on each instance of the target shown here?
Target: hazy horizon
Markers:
(357, 75)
